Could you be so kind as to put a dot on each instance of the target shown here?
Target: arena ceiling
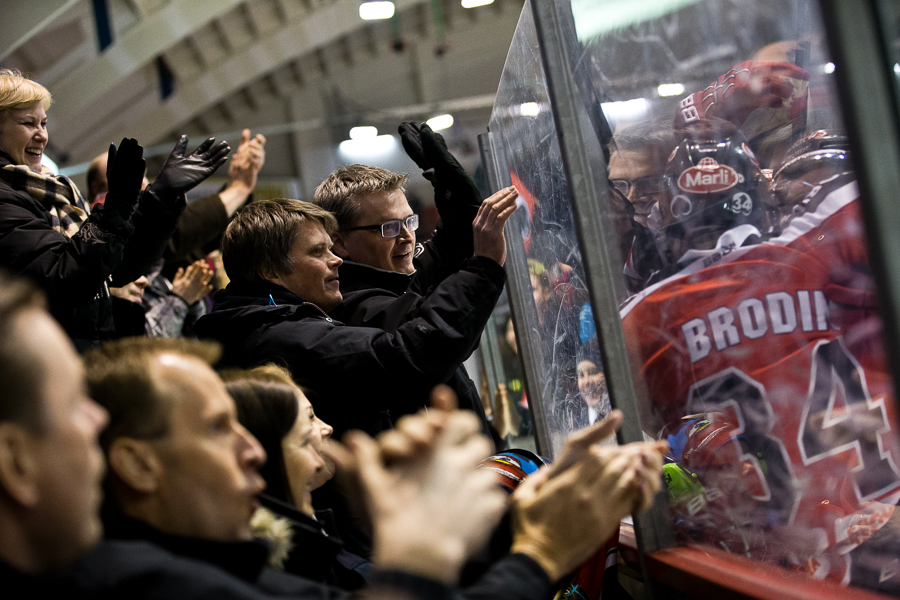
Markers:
(301, 71)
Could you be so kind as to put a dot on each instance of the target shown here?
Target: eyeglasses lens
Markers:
(392, 229)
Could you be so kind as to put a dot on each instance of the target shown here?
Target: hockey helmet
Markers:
(713, 442)
(817, 156)
(511, 467)
(712, 186)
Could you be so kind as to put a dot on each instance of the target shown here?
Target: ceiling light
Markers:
(474, 3)
(376, 10)
(626, 110)
(829, 68)
(363, 133)
(670, 89)
(529, 109)
(440, 122)
(365, 149)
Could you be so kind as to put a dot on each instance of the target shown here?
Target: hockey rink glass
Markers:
(756, 344)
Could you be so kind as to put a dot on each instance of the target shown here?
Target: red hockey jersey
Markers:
(784, 336)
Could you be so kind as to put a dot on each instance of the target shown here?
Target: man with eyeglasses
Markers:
(376, 226)
(637, 163)
(377, 241)
(366, 358)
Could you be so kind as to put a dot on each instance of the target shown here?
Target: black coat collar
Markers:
(355, 276)
(243, 559)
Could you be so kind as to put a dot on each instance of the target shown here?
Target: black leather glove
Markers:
(411, 137)
(429, 150)
(125, 168)
(181, 173)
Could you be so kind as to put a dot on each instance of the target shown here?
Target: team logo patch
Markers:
(708, 177)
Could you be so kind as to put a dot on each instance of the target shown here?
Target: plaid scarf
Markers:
(58, 195)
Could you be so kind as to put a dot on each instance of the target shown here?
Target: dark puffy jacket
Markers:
(378, 308)
(317, 552)
(74, 272)
(141, 562)
(362, 377)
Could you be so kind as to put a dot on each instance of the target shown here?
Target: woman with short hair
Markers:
(50, 234)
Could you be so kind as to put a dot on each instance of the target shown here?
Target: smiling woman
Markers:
(23, 123)
(275, 410)
(50, 234)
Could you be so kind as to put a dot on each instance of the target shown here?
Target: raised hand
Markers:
(411, 136)
(192, 284)
(429, 150)
(563, 513)
(247, 160)
(430, 508)
(488, 225)
(124, 171)
(181, 173)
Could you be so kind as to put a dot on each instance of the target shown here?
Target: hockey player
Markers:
(743, 327)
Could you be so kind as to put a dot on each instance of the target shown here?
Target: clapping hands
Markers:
(564, 512)
(429, 506)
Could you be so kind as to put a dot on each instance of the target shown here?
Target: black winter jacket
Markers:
(389, 285)
(318, 553)
(362, 377)
(146, 564)
(74, 272)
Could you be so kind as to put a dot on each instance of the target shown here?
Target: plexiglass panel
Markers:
(570, 374)
(751, 305)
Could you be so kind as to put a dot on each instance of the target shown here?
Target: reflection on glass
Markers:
(752, 306)
(523, 125)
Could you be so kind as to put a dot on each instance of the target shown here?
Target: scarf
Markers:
(56, 194)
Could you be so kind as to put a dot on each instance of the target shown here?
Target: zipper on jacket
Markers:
(324, 314)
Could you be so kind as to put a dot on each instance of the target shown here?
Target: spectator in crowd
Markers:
(183, 473)
(280, 416)
(178, 282)
(376, 237)
(50, 463)
(284, 303)
(376, 232)
(362, 197)
(48, 231)
(277, 412)
(591, 403)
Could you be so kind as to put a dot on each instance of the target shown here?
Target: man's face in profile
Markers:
(67, 460)
(314, 267)
(209, 480)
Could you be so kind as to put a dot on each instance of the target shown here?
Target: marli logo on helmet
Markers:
(708, 177)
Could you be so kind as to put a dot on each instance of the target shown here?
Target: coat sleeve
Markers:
(154, 223)
(70, 269)
(513, 577)
(452, 242)
(356, 364)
